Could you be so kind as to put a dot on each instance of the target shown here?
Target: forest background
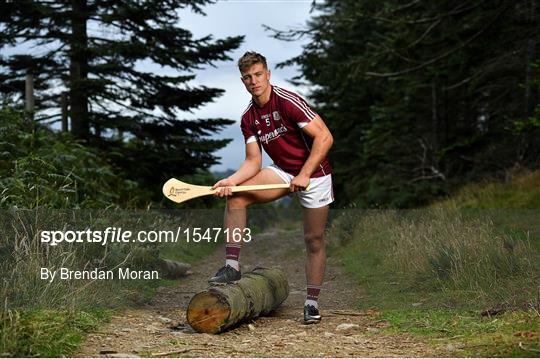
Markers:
(428, 102)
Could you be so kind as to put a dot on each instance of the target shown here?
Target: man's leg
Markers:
(314, 225)
(235, 218)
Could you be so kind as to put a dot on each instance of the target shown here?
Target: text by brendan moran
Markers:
(97, 274)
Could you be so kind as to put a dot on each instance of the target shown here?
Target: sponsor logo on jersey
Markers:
(267, 137)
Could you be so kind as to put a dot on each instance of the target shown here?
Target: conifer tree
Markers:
(421, 96)
(126, 67)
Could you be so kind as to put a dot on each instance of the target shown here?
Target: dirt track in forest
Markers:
(160, 328)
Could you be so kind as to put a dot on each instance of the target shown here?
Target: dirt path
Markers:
(148, 331)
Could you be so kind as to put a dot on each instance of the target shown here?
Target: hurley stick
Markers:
(178, 191)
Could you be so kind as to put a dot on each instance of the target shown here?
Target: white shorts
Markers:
(320, 191)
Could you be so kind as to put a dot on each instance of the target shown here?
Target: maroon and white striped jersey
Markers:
(277, 126)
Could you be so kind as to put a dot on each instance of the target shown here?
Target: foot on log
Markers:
(224, 275)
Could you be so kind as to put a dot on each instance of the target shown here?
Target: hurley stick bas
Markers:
(178, 191)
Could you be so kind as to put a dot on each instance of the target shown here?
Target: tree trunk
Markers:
(64, 111)
(258, 293)
(529, 59)
(173, 269)
(29, 93)
(79, 71)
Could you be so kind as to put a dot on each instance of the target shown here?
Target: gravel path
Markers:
(160, 327)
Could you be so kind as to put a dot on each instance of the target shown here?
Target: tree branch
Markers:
(437, 58)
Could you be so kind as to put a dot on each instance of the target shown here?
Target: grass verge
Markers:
(465, 333)
(50, 318)
(47, 333)
(433, 272)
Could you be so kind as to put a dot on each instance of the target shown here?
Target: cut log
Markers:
(173, 269)
(258, 293)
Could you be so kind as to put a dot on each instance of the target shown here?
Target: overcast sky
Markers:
(231, 18)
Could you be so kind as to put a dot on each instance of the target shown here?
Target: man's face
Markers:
(256, 79)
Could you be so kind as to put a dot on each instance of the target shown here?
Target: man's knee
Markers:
(314, 242)
(239, 201)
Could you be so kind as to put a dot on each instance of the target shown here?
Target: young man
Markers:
(298, 141)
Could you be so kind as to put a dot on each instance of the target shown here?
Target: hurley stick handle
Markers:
(178, 191)
(259, 187)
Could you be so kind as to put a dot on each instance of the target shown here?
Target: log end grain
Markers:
(208, 311)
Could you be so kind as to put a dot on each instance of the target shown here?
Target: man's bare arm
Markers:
(249, 168)
(322, 142)
(251, 165)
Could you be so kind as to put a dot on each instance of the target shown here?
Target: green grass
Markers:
(431, 272)
(188, 253)
(39, 318)
(519, 190)
(47, 333)
(467, 333)
(437, 258)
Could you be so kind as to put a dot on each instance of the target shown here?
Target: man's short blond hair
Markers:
(251, 58)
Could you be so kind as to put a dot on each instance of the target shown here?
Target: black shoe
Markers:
(311, 314)
(225, 274)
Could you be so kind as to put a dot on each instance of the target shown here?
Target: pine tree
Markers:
(98, 51)
(421, 96)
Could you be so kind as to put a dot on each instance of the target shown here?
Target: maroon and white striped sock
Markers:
(313, 292)
(232, 254)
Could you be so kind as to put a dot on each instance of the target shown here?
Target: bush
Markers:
(41, 168)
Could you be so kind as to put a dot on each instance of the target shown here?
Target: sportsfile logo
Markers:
(267, 137)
